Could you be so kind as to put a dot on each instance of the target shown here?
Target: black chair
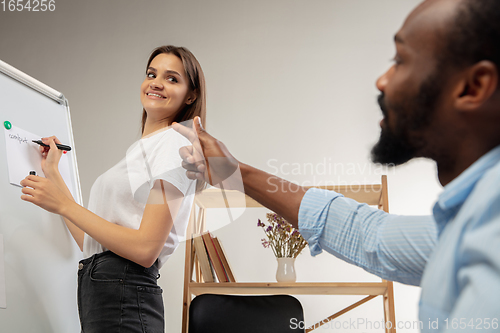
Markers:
(210, 313)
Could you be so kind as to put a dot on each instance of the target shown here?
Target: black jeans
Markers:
(116, 295)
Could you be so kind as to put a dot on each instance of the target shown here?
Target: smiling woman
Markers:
(169, 71)
(138, 210)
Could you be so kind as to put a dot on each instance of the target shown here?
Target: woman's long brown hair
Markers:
(196, 81)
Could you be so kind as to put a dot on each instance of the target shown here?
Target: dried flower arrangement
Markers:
(282, 238)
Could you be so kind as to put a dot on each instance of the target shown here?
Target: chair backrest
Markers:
(211, 313)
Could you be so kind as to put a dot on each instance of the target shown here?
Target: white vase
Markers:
(286, 270)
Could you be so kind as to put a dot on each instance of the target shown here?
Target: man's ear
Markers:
(476, 86)
(191, 97)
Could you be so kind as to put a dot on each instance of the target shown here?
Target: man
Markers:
(440, 100)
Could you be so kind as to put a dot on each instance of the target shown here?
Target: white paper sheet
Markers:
(24, 156)
(3, 296)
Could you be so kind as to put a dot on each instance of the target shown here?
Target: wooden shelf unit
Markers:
(371, 194)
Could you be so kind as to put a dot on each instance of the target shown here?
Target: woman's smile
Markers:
(155, 95)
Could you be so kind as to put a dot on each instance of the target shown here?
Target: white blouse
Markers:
(120, 194)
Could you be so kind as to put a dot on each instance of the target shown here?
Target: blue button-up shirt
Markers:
(454, 255)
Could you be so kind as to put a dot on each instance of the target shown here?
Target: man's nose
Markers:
(383, 80)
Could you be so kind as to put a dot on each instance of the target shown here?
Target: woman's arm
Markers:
(50, 166)
(76, 232)
(141, 246)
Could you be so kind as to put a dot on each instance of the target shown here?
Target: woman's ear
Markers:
(191, 97)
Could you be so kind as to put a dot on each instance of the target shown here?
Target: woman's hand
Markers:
(50, 155)
(44, 193)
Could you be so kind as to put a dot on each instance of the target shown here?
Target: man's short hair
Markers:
(474, 35)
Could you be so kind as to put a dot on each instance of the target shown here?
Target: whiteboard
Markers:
(40, 256)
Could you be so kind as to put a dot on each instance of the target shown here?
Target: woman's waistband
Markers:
(153, 270)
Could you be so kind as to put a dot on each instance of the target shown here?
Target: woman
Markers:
(138, 210)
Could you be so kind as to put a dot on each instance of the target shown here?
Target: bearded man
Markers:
(440, 100)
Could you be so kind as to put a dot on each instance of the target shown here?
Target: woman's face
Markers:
(165, 89)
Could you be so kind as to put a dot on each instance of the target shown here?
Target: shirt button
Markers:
(80, 266)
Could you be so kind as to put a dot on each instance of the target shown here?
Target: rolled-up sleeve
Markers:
(391, 246)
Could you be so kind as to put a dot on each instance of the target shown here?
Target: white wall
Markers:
(288, 82)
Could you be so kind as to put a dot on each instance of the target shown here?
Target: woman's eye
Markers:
(172, 79)
(150, 75)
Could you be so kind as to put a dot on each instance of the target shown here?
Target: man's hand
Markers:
(207, 159)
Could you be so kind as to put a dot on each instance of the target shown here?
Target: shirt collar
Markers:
(457, 191)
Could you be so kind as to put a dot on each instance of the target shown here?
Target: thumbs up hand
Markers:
(207, 158)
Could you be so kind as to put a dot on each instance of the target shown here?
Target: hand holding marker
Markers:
(60, 146)
(51, 157)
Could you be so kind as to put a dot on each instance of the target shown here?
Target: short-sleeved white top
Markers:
(120, 194)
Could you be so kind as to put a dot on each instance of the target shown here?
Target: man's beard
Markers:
(397, 146)
(391, 148)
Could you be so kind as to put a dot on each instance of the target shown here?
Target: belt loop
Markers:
(91, 263)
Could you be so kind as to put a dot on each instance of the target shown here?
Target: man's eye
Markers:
(396, 60)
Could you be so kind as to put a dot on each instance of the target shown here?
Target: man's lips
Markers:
(383, 122)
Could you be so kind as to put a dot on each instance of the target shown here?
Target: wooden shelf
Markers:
(371, 194)
(297, 288)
